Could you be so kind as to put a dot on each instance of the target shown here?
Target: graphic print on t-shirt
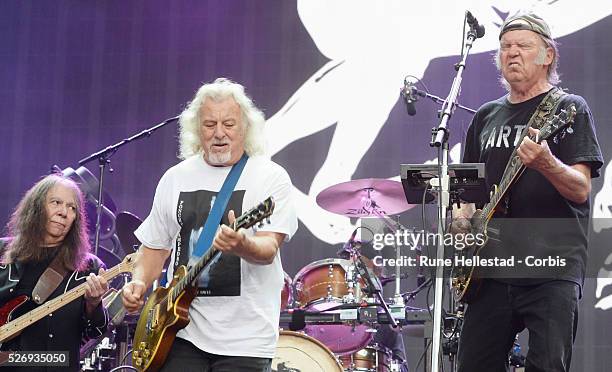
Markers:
(501, 137)
(222, 277)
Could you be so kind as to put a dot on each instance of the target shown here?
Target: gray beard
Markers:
(219, 158)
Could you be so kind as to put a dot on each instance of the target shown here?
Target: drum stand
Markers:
(398, 308)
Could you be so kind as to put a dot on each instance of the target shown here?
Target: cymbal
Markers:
(126, 224)
(365, 197)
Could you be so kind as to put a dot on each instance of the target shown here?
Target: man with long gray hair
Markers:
(234, 316)
(48, 231)
(545, 212)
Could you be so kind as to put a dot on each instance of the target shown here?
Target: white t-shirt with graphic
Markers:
(237, 307)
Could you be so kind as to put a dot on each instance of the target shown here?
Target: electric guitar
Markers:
(11, 328)
(167, 309)
(464, 283)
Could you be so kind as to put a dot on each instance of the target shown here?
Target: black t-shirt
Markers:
(539, 221)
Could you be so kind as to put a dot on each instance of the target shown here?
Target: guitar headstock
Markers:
(557, 123)
(127, 265)
(256, 214)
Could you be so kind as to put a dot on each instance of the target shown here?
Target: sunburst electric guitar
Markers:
(464, 282)
(11, 328)
(167, 309)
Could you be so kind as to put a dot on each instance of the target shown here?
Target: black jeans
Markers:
(185, 357)
(549, 311)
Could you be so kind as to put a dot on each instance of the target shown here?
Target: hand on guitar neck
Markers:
(96, 287)
(260, 248)
(572, 181)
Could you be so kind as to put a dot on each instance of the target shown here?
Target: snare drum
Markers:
(372, 358)
(325, 284)
(298, 352)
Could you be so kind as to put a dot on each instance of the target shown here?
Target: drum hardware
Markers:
(413, 316)
(373, 358)
(89, 185)
(373, 288)
(126, 224)
(102, 358)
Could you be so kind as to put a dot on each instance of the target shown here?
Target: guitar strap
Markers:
(547, 107)
(220, 203)
(49, 280)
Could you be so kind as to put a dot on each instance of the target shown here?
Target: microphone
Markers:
(349, 244)
(409, 94)
(347, 248)
(473, 22)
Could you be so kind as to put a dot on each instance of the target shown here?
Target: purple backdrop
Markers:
(77, 76)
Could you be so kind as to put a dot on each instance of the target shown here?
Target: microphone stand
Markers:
(362, 269)
(440, 140)
(439, 100)
(103, 157)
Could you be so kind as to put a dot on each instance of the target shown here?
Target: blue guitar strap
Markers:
(220, 203)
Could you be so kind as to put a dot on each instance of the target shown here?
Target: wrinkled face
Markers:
(522, 58)
(61, 208)
(222, 131)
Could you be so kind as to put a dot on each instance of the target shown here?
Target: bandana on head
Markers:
(525, 21)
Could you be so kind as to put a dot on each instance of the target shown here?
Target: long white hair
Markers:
(221, 88)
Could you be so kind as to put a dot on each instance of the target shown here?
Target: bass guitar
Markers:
(464, 282)
(11, 328)
(167, 309)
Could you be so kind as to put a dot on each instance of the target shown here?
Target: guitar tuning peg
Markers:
(268, 220)
(569, 130)
(260, 224)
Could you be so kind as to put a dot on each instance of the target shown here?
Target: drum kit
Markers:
(340, 287)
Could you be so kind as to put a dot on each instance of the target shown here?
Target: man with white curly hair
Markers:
(234, 317)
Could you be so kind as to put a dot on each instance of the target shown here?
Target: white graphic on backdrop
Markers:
(602, 220)
(372, 45)
(602, 203)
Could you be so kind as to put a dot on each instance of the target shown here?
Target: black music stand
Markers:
(467, 182)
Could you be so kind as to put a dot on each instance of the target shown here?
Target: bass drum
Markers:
(298, 352)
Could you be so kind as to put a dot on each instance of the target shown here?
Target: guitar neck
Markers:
(15, 326)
